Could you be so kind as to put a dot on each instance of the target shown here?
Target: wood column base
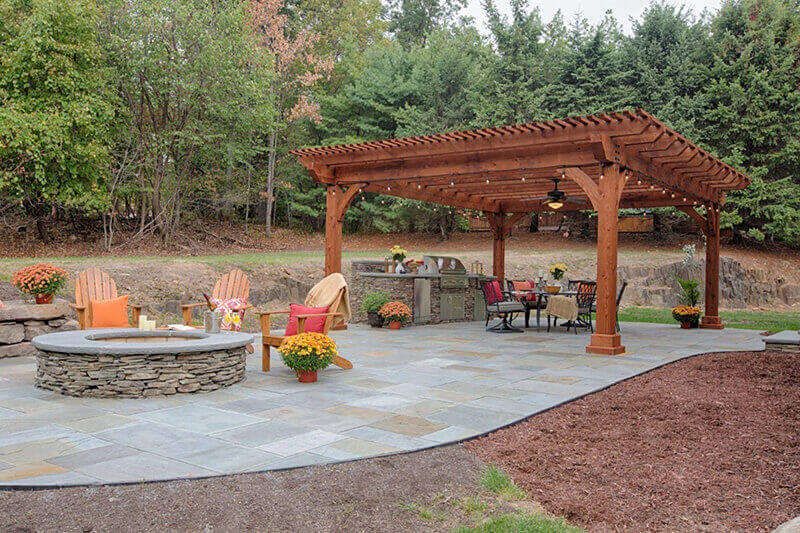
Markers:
(711, 322)
(605, 345)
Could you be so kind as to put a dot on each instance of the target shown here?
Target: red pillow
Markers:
(313, 324)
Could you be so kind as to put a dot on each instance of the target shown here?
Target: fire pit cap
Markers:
(130, 341)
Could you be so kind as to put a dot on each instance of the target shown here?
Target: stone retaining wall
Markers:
(138, 376)
(21, 321)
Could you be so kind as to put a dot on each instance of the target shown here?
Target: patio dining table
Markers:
(541, 299)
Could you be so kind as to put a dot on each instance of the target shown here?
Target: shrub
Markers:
(395, 312)
(689, 295)
(307, 352)
(373, 301)
(40, 279)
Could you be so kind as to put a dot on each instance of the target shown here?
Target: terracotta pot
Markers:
(305, 376)
(395, 325)
(44, 298)
(686, 325)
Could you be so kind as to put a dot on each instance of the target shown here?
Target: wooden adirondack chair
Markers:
(94, 284)
(269, 340)
(234, 284)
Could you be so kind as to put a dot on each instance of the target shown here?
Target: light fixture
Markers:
(639, 180)
(523, 177)
(652, 186)
(672, 195)
(389, 187)
(554, 204)
(663, 190)
(626, 175)
(452, 182)
(419, 185)
(487, 178)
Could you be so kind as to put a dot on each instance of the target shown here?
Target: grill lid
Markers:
(442, 265)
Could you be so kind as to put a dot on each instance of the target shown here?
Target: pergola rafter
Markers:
(604, 161)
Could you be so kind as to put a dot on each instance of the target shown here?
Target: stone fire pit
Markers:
(128, 363)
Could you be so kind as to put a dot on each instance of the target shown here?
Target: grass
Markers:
(521, 523)
(422, 512)
(760, 320)
(496, 481)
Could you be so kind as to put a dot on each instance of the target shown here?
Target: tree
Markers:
(412, 21)
(751, 112)
(196, 95)
(298, 70)
(55, 106)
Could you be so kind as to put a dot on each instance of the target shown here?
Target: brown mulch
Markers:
(370, 495)
(711, 443)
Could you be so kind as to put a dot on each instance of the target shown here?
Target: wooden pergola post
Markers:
(605, 196)
(501, 226)
(337, 201)
(709, 224)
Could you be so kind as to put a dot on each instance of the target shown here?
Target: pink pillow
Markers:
(313, 324)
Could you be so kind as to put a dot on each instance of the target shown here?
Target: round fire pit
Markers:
(129, 363)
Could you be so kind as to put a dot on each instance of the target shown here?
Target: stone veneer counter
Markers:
(128, 363)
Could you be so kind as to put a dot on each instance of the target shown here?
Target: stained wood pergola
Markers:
(608, 161)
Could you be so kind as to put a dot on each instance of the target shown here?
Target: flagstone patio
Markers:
(410, 389)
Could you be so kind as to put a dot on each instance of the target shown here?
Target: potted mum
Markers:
(687, 315)
(41, 281)
(371, 305)
(307, 353)
(395, 313)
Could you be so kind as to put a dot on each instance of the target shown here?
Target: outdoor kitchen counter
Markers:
(433, 297)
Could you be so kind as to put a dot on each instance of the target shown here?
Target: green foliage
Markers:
(496, 481)
(689, 294)
(56, 105)
(373, 301)
(521, 523)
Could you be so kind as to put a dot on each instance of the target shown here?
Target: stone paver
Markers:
(410, 389)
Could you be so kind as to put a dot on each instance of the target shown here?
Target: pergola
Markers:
(608, 161)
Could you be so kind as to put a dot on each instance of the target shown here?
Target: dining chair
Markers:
(586, 296)
(500, 304)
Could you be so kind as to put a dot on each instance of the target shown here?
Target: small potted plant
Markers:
(687, 315)
(395, 313)
(41, 281)
(371, 305)
(307, 353)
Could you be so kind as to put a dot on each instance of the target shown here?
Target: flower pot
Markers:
(686, 325)
(307, 376)
(395, 325)
(44, 298)
(375, 320)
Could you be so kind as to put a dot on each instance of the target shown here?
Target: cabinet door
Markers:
(452, 306)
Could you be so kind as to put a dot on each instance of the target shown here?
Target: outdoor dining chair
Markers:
(500, 304)
(530, 301)
(619, 301)
(586, 296)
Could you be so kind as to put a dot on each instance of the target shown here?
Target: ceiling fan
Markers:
(556, 198)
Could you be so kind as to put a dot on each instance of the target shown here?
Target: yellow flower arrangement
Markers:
(558, 270)
(686, 313)
(308, 352)
(398, 253)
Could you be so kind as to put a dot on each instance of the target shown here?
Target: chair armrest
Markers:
(78, 307)
(243, 308)
(135, 306)
(267, 313)
(190, 306)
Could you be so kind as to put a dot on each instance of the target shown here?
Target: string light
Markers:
(652, 186)
(487, 178)
(523, 177)
(672, 195)
(639, 180)
(684, 198)
(419, 185)
(389, 187)
(626, 175)
(451, 181)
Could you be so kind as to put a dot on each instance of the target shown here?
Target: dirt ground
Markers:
(419, 492)
(711, 443)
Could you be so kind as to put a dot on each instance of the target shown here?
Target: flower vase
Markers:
(395, 324)
(44, 298)
(307, 376)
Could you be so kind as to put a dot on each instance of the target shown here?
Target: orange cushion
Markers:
(110, 313)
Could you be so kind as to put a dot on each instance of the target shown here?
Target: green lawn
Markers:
(761, 320)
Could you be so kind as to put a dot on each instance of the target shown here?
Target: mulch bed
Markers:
(708, 443)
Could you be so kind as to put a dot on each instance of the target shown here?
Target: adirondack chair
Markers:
(269, 340)
(234, 284)
(94, 284)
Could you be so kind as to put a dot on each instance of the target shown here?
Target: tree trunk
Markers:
(273, 138)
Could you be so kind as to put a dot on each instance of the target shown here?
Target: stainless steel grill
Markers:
(450, 269)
